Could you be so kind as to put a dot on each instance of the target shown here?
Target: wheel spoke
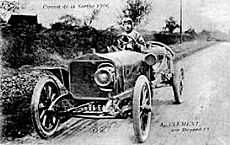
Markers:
(147, 109)
(46, 91)
(181, 87)
(49, 92)
(143, 122)
(44, 121)
(145, 104)
(182, 74)
(43, 95)
(52, 120)
(141, 114)
(143, 95)
(49, 121)
(42, 114)
(145, 101)
(53, 96)
(145, 90)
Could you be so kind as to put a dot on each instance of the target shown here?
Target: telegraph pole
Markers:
(180, 21)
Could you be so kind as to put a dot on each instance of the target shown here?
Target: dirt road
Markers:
(203, 118)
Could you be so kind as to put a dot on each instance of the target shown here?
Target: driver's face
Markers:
(128, 27)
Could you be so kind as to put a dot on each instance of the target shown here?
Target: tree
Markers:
(191, 32)
(137, 10)
(2, 21)
(93, 16)
(71, 22)
(171, 25)
(8, 6)
(67, 22)
(22, 45)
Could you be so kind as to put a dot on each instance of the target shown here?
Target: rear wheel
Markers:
(178, 85)
(44, 120)
(142, 108)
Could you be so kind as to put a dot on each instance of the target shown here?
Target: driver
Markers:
(129, 30)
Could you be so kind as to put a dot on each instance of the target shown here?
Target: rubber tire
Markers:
(177, 81)
(141, 137)
(34, 108)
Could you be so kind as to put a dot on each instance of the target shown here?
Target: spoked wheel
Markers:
(44, 120)
(142, 108)
(178, 85)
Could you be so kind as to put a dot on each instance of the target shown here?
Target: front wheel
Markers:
(142, 108)
(45, 122)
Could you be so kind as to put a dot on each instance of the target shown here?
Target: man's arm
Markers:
(141, 42)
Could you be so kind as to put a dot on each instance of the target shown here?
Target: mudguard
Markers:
(61, 73)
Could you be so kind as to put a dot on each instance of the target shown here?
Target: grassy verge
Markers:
(188, 48)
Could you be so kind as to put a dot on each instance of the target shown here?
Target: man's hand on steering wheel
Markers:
(126, 42)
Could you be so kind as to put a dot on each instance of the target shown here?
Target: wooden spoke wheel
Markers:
(44, 120)
(142, 108)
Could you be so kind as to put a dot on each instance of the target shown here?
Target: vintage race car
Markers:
(117, 84)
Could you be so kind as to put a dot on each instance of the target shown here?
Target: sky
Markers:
(197, 14)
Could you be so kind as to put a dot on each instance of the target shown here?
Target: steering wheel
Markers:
(125, 42)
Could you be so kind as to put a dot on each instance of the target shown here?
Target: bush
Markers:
(17, 90)
(173, 38)
(167, 38)
(31, 44)
(22, 48)
(68, 42)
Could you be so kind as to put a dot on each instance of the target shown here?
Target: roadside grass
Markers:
(190, 47)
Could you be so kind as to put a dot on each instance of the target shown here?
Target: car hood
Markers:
(124, 57)
(120, 58)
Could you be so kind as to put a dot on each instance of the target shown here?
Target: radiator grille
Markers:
(82, 80)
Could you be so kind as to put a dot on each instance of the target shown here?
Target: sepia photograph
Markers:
(115, 72)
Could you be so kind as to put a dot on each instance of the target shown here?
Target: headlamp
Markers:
(150, 59)
(103, 76)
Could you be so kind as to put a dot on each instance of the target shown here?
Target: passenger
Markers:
(129, 30)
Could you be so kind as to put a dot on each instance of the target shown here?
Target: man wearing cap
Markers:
(129, 30)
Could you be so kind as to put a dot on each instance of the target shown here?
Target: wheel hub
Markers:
(147, 108)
